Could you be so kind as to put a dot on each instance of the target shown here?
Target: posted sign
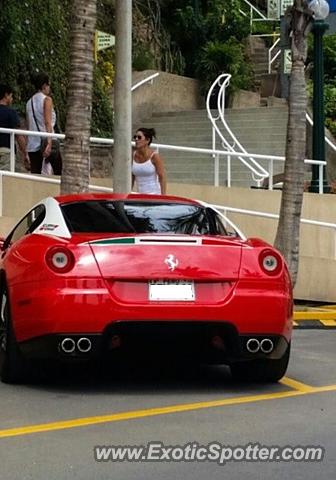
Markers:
(104, 40)
(284, 5)
(277, 8)
(287, 61)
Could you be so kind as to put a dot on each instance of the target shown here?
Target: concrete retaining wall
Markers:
(167, 93)
(317, 269)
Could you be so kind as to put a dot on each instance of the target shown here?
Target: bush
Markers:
(142, 59)
(34, 36)
(31, 41)
(330, 107)
(102, 112)
(329, 50)
(229, 57)
(193, 28)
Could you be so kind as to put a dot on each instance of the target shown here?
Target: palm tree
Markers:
(76, 162)
(288, 233)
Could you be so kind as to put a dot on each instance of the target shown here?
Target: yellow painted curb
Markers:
(314, 315)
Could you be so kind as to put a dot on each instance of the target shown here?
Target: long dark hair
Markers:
(149, 133)
(40, 79)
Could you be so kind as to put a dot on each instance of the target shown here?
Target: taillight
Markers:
(60, 259)
(270, 262)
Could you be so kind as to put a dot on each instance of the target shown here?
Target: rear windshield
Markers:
(98, 216)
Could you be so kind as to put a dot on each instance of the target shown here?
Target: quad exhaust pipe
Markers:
(84, 345)
(266, 345)
(68, 345)
(253, 345)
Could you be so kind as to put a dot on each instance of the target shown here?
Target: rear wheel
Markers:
(261, 370)
(12, 365)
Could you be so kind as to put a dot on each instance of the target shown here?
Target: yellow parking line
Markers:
(328, 323)
(151, 412)
(299, 390)
(325, 388)
(301, 387)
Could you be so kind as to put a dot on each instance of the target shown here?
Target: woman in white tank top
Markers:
(40, 117)
(147, 166)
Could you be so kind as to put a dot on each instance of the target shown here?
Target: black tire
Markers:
(261, 370)
(12, 364)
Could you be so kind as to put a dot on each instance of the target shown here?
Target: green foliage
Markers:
(105, 67)
(105, 15)
(210, 37)
(34, 36)
(189, 33)
(329, 50)
(270, 30)
(224, 21)
(330, 107)
(102, 113)
(143, 58)
(153, 46)
(229, 57)
(193, 37)
(103, 78)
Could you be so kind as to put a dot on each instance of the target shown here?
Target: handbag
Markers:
(54, 158)
(46, 168)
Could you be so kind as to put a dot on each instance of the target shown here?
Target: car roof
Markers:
(82, 197)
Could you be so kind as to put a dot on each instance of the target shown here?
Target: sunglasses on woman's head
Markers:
(138, 137)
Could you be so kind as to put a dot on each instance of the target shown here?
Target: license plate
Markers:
(171, 290)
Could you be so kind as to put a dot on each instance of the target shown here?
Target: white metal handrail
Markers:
(42, 179)
(253, 11)
(256, 16)
(329, 142)
(216, 154)
(145, 80)
(221, 83)
(271, 57)
(219, 208)
(275, 216)
(263, 18)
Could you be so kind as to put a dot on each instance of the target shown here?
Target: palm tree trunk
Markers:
(288, 233)
(76, 161)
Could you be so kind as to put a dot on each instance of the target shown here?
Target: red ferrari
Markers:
(84, 276)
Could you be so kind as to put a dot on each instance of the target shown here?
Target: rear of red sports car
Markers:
(148, 278)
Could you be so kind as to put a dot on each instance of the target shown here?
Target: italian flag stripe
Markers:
(113, 241)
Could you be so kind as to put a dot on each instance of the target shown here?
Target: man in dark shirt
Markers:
(9, 119)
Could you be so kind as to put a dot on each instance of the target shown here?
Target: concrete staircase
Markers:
(259, 59)
(267, 84)
(260, 130)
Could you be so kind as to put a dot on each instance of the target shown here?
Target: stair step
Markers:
(259, 129)
(259, 57)
(233, 115)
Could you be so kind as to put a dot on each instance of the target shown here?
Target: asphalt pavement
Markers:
(50, 430)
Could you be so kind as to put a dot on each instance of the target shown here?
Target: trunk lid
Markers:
(144, 257)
